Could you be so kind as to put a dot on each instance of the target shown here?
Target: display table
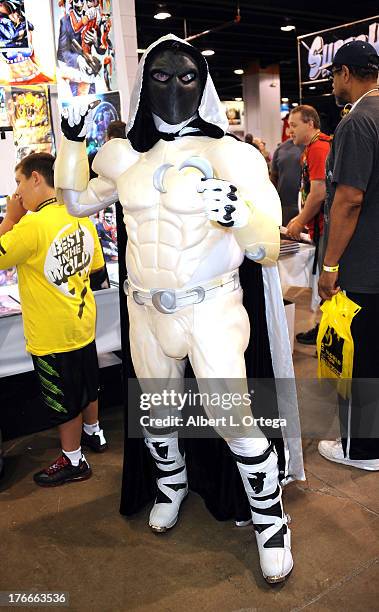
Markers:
(13, 357)
(295, 270)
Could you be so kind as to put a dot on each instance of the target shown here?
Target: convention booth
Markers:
(49, 60)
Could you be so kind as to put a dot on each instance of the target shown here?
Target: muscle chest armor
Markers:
(171, 243)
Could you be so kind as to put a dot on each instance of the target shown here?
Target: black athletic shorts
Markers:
(68, 382)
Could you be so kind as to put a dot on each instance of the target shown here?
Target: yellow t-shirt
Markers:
(54, 254)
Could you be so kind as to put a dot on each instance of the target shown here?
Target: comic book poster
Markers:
(34, 62)
(29, 115)
(84, 42)
(13, 26)
(105, 223)
(108, 109)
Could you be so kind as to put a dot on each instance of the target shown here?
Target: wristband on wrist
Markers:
(331, 268)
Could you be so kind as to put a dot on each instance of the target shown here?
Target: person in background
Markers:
(304, 123)
(55, 254)
(262, 148)
(116, 129)
(285, 175)
(351, 261)
(249, 138)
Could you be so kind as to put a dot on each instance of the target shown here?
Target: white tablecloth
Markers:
(13, 357)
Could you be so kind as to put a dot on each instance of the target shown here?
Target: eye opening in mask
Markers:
(188, 77)
(160, 75)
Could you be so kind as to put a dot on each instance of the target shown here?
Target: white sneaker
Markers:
(332, 450)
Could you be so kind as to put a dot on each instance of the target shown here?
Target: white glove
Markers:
(223, 204)
(75, 121)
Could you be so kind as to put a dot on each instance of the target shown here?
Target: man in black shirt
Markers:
(286, 174)
(351, 261)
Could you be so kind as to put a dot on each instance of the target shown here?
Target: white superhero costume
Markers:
(184, 298)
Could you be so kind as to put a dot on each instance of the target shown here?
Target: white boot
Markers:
(260, 476)
(171, 480)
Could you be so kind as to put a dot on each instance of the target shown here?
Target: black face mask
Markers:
(173, 86)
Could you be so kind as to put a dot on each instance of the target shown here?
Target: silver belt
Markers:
(168, 301)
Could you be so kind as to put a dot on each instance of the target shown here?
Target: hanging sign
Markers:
(318, 49)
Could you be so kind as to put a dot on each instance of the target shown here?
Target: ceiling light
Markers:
(312, 87)
(238, 71)
(295, 104)
(207, 52)
(162, 12)
(285, 99)
(288, 25)
(238, 99)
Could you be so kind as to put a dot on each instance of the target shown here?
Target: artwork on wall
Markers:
(108, 109)
(84, 43)
(13, 26)
(34, 62)
(29, 114)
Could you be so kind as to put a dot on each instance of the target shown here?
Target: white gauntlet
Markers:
(223, 204)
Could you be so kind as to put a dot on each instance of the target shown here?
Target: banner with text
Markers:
(318, 49)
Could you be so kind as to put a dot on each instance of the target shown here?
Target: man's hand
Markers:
(15, 210)
(294, 228)
(223, 204)
(327, 285)
(74, 122)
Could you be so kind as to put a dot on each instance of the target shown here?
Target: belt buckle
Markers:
(164, 300)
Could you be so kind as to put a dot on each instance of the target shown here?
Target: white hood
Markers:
(210, 109)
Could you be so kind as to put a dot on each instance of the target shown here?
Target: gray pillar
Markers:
(261, 95)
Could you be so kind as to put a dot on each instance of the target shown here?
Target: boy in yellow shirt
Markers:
(55, 253)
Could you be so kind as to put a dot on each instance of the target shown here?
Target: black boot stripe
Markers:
(268, 497)
(162, 498)
(176, 486)
(275, 510)
(253, 460)
(163, 474)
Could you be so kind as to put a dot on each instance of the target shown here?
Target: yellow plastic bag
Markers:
(335, 345)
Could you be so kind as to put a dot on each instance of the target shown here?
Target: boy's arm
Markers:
(15, 212)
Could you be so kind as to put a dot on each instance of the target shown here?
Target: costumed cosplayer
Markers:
(195, 202)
